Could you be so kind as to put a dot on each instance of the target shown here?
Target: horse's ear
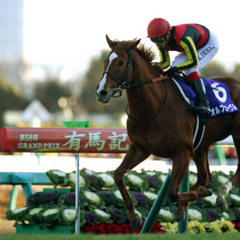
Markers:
(111, 43)
(134, 44)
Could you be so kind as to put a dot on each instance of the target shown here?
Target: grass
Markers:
(187, 236)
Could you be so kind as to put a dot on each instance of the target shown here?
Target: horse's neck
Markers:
(145, 99)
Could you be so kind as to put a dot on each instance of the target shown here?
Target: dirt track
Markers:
(6, 227)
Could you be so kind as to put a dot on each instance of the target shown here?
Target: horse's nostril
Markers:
(103, 93)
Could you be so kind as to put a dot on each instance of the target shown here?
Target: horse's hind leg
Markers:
(180, 165)
(224, 189)
(200, 158)
(134, 156)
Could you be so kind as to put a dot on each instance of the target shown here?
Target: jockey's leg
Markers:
(202, 106)
(205, 55)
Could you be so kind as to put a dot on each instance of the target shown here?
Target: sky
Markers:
(69, 33)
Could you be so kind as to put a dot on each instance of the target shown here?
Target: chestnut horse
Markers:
(159, 123)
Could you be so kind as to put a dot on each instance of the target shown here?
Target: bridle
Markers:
(122, 84)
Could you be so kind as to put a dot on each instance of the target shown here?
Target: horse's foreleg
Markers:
(179, 168)
(200, 158)
(134, 156)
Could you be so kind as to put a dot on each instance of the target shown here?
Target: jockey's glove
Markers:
(171, 72)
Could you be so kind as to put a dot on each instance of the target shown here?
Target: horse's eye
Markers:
(121, 62)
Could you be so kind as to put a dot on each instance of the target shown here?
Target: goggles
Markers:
(159, 39)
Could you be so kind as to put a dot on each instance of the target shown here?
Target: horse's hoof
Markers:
(178, 217)
(209, 192)
(221, 204)
(205, 192)
(136, 223)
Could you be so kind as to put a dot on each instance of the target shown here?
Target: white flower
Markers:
(135, 179)
(18, 210)
(59, 173)
(102, 216)
(118, 195)
(165, 216)
(151, 173)
(222, 179)
(192, 179)
(49, 212)
(225, 215)
(89, 172)
(150, 195)
(107, 179)
(93, 197)
(211, 199)
(235, 197)
(72, 178)
(165, 213)
(194, 214)
(69, 214)
(82, 181)
(101, 213)
(162, 178)
(34, 211)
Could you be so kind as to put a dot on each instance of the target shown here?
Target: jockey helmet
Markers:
(158, 27)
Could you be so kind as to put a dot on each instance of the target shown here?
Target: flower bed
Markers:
(103, 212)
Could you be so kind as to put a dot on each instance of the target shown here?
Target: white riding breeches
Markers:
(205, 55)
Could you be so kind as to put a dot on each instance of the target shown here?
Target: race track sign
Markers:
(64, 140)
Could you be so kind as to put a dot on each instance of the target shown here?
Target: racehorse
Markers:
(159, 123)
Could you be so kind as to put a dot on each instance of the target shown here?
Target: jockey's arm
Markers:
(191, 52)
(165, 58)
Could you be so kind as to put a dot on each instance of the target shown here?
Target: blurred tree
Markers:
(10, 99)
(214, 69)
(236, 72)
(87, 98)
(49, 92)
(14, 73)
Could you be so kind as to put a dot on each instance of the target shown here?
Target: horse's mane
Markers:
(146, 53)
(149, 56)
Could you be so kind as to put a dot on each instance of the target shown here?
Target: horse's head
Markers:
(117, 70)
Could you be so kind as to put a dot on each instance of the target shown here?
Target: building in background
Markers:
(11, 30)
(12, 66)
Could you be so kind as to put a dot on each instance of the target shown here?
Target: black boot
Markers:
(202, 101)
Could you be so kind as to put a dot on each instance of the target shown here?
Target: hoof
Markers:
(209, 192)
(136, 223)
(178, 217)
(205, 192)
(221, 204)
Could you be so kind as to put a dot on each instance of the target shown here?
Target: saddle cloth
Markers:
(219, 100)
(218, 95)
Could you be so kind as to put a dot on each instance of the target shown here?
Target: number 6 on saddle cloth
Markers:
(219, 100)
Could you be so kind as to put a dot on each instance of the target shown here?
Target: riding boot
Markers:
(202, 106)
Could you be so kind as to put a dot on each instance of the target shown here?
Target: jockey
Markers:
(197, 46)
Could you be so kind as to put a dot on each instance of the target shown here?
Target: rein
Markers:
(155, 116)
(124, 85)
